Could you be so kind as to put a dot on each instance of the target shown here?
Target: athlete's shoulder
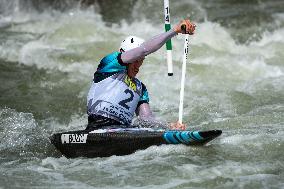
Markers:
(143, 86)
(144, 98)
(111, 63)
(111, 57)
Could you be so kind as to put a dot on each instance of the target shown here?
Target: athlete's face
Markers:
(133, 68)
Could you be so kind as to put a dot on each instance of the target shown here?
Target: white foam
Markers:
(214, 36)
(74, 33)
(33, 53)
(276, 36)
(236, 139)
(15, 128)
(5, 21)
(76, 122)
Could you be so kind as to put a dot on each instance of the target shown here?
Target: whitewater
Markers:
(234, 82)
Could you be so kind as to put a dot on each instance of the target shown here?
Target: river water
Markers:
(234, 82)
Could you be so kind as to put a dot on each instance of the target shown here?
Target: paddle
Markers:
(185, 52)
(169, 42)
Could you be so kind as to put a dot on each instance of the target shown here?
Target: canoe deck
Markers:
(104, 143)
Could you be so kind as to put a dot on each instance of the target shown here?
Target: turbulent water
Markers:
(234, 82)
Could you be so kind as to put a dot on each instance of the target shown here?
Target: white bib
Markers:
(115, 97)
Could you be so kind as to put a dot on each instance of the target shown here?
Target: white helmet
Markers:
(130, 42)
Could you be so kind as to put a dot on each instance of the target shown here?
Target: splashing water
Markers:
(234, 82)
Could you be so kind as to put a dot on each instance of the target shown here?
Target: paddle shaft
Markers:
(185, 53)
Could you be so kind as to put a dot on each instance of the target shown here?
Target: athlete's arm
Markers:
(155, 43)
(144, 112)
(147, 47)
(146, 116)
(147, 119)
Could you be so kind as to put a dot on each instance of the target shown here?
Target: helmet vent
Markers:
(130, 42)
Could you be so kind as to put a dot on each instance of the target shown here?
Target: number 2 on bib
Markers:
(123, 102)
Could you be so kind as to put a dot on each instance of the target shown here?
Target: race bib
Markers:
(115, 97)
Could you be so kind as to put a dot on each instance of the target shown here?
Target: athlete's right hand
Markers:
(177, 126)
(189, 27)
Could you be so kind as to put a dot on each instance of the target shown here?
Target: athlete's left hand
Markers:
(177, 126)
(189, 27)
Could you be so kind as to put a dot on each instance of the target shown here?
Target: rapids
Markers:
(235, 82)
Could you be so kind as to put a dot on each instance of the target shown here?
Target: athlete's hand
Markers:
(177, 126)
(189, 27)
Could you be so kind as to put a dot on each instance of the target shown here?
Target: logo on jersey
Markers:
(130, 83)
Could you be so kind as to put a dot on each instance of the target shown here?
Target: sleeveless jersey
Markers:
(115, 97)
